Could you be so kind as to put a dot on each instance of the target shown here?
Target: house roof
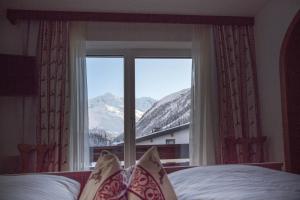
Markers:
(161, 133)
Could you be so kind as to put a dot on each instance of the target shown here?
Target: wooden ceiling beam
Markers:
(14, 15)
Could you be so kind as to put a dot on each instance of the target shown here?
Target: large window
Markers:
(139, 102)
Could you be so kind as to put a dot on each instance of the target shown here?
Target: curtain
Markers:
(79, 154)
(203, 98)
(238, 103)
(54, 101)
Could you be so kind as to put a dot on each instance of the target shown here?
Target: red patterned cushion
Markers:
(107, 182)
(114, 187)
(149, 180)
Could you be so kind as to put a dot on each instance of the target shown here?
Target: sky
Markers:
(154, 77)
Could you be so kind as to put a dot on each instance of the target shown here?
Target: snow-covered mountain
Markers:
(144, 103)
(107, 112)
(169, 111)
(106, 116)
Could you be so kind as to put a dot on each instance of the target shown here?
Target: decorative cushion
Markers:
(149, 180)
(107, 182)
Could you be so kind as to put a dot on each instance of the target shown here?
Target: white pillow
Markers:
(38, 187)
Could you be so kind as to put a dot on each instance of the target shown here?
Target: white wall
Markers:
(181, 137)
(11, 38)
(13, 130)
(271, 24)
(107, 31)
(12, 127)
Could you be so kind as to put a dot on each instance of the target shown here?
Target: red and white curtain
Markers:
(238, 101)
(53, 120)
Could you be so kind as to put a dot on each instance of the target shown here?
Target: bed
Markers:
(235, 182)
(232, 182)
(38, 187)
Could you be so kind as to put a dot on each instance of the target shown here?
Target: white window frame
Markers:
(168, 141)
(129, 55)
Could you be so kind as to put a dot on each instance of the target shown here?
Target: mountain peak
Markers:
(108, 94)
(107, 111)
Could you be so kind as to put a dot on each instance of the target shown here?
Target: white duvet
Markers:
(235, 182)
(38, 187)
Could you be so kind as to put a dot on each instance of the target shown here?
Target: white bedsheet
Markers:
(235, 182)
(38, 187)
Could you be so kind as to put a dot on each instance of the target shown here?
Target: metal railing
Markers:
(168, 152)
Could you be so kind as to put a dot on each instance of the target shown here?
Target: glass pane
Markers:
(105, 80)
(163, 102)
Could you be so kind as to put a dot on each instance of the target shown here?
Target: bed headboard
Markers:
(34, 158)
(244, 150)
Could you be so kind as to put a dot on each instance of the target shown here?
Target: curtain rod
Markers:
(13, 15)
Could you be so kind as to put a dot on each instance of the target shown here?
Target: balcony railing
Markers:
(169, 153)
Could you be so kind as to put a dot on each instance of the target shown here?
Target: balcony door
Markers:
(136, 102)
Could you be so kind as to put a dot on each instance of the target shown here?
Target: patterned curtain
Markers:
(53, 121)
(238, 100)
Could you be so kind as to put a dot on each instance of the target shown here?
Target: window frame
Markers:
(170, 141)
(129, 55)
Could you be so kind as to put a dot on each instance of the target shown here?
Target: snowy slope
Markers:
(170, 111)
(107, 112)
(144, 103)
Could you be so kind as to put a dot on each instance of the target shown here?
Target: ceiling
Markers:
(193, 7)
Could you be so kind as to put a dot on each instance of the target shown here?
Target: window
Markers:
(136, 102)
(105, 79)
(170, 141)
(162, 90)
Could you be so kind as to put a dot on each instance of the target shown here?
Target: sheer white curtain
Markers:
(79, 153)
(204, 98)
